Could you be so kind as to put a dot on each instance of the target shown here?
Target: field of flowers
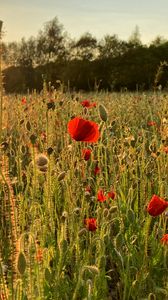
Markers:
(83, 187)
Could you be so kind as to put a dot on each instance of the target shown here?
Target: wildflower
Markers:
(156, 206)
(91, 224)
(164, 239)
(100, 196)
(96, 170)
(83, 130)
(23, 100)
(88, 104)
(151, 123)
(111, 194)
(86, 153)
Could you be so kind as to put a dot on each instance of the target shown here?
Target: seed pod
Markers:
(105, 213)
(33, 138)
(28, 126)
(77, 211)
(103, 113)
(61, 176)
(50, 150)
(41, 160)
(64, 216)
(151, 296)
(21, 263)
(43, 168)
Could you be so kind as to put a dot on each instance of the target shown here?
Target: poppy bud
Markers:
(41, 160)
(103, 113)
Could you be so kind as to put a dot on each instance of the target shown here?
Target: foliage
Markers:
(48, 191)
(84, 64)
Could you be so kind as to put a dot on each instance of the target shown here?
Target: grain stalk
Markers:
(1, 83)
(11, 217)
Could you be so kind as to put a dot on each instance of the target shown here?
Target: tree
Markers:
(135, 38)
(85, 48)
(110, 46)
(27, 52)
(50, 42)
(158, 41)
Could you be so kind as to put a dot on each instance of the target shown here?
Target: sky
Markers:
(24, 18)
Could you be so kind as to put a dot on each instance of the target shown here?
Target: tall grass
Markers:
(46, 251)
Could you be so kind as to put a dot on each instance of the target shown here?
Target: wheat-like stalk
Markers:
(11, 216)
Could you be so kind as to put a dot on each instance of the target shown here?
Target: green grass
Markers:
(45, 250)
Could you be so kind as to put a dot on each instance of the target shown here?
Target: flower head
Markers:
(100, 196)
(156, 206)
(90, 224)
(151, 123)
(164, 239)
(88, 104)
(96, 170)
(111, 194)
(86, 153)
(23, 101)
(83, 130)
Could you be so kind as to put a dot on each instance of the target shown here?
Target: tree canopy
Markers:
(81, 63)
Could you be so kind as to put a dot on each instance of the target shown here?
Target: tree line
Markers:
(86, 63)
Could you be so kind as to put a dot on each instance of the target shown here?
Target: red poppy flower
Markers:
(164, 239)
(151, 123)
(91, 224)
(156, 206)
(96, 170)
(88, 104)
(111, 194)
(83, 130)
(100, 196)
(86, 153)
(23, 101)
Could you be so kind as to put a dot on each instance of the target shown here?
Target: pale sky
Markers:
(24, 18)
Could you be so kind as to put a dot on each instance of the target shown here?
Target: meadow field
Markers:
(83, 188)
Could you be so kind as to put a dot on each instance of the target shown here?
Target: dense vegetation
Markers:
(83, 64)
(52, 182)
